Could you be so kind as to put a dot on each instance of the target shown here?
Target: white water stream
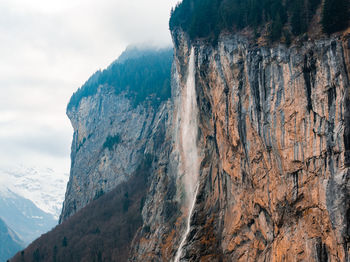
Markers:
(188, 134)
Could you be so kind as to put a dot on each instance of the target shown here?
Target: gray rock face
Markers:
(98, 167)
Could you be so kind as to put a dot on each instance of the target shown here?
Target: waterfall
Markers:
(188, 138)
(188, 227)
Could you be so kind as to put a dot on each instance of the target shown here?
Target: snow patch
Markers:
(44, 187)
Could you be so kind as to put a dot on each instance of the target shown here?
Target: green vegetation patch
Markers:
(208, 18)
(111, 142)
(142, 74)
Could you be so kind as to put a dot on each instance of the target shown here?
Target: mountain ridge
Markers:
(10, 243)
(43, 187)
(24, 217)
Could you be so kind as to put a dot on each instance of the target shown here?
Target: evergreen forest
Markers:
(143, 74)
(208, 18)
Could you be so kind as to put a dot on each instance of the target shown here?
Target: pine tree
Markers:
(312, 6)
(296, 22)
(335, 15)
(64, 242)
(206, 19)
(276, 28)
(300, 16)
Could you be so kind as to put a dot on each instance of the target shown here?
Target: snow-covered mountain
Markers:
(31, 200)
(44, 187)
(24, 217)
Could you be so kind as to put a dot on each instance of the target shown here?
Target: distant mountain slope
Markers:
(10, 244)
(140, 72)
(24, 217)
(135, 52)
(101, 231)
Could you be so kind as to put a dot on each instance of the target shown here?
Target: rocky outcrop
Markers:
(110, 136)
(274, 155)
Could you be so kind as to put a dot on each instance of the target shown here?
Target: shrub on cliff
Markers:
(111, 142)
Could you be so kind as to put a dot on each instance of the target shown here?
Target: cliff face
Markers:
(273, 146)
(110, 136)
(249, 160)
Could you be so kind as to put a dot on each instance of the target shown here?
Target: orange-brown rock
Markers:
(274, 125)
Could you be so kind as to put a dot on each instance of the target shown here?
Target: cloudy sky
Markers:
(48, 48)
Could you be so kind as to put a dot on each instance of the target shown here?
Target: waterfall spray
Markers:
(188, 134)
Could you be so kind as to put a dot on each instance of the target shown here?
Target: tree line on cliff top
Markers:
(207, 18)
(142, 74)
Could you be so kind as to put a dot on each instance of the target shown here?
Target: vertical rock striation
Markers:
(274, 176)
(273, 141)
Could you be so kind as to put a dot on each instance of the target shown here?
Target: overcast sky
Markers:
(48, 48)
